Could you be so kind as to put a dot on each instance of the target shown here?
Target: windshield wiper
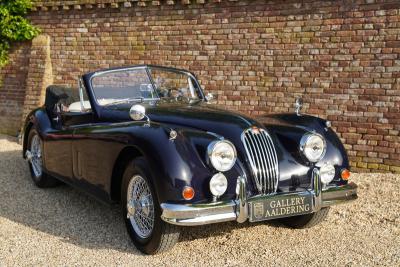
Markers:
(125, 100)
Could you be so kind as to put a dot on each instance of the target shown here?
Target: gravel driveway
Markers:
(62, 226)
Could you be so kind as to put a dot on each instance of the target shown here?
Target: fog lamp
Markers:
(218, 184)
(327, 173)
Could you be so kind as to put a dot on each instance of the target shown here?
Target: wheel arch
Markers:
(125, 156)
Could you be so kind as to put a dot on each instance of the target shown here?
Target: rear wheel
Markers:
(307, 220)
(142, 212)
(34, 155)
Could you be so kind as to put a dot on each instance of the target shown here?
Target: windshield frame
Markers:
(147, 69)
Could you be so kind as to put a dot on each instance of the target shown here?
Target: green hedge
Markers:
(13, 26)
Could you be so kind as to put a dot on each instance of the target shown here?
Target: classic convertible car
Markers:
(149, 138)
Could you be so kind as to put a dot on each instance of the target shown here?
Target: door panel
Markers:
(94, 154)
(58, 152)
(58, 143)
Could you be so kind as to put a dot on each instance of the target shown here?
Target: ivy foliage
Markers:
(14, 26)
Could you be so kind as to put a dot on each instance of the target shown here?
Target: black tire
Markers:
(163, 235)
(307, 220)
(44, 180)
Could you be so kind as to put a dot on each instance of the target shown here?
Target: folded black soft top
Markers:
(60, 94)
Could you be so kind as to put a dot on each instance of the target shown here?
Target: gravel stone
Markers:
(63, 226)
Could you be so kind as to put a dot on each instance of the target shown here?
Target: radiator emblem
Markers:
(258, 210)
(255, 130)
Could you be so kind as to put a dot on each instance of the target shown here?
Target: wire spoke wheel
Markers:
(36, 160)
(140, 206)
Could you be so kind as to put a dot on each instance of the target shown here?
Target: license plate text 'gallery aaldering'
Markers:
(280, 207)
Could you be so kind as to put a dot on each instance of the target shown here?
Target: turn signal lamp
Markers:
(188, 193)
(345, 174)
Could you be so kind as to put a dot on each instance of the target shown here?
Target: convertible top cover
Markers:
(56, 94)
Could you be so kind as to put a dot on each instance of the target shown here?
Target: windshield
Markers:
(129, 85)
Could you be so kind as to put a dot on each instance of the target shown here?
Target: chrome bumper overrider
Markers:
(238, 210)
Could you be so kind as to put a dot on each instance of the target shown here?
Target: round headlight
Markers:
(222, 155)
(313, 147)
(327, 173)
(218, 184)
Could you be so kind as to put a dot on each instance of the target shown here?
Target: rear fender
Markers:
(38, 120)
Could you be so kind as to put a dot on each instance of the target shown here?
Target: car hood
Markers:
(201, 116)
(206, 117)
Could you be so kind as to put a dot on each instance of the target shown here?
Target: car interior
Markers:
(64, 108)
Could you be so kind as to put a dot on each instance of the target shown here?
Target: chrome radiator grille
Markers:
(263, 159)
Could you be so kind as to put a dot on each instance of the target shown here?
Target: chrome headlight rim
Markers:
(210, 150)
(303, 142)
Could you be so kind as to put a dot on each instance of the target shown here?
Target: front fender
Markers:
(176, 163)
(289, 129)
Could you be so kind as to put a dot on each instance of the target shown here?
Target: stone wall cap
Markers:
(46, 5)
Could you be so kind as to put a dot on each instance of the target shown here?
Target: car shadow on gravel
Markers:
(73, 216)
(212, 230)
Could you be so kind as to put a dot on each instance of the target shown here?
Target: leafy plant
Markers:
(13, 26)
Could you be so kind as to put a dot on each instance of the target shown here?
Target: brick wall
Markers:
(40, 74)
(341, 56)
(12, 88)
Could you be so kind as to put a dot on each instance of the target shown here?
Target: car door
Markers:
(91, 150)
(57, 139)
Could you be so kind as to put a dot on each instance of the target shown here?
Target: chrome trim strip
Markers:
(271, 163)
(242, 209)
(266, 175)
(316, 187)
(263, 159)
(339, 194)
(199, 214)
(275, 156)
(250, 154)
(260, 163)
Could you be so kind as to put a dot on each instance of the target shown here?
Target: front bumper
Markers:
(238, 210)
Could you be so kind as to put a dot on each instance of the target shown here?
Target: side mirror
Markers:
(298, 105)
(210, 97)
(137, 112)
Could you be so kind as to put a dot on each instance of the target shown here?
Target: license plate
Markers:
(279, 206)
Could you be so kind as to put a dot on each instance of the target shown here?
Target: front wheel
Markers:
(307, 220)
(142, 212)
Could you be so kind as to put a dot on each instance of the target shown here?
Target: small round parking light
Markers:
(327, 173)
(345, 174)
(218, 184)
(188, 193)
